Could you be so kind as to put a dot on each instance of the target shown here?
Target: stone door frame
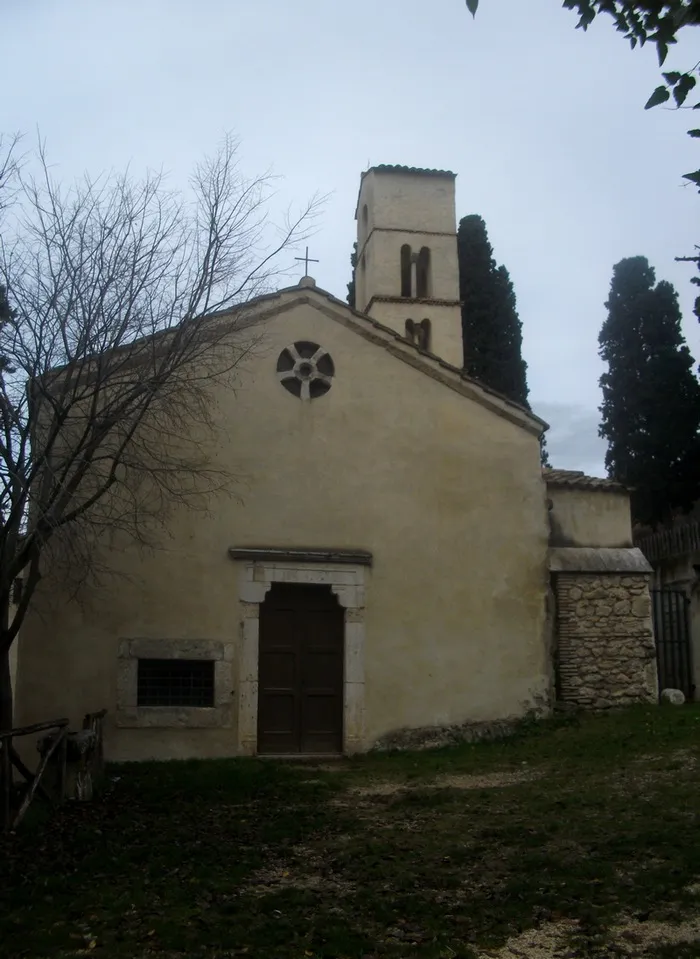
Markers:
(347, 581)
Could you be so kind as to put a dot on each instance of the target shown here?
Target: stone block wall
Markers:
(606, 654)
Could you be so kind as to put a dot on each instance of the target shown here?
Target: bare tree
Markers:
(119, 297)
(9, 163)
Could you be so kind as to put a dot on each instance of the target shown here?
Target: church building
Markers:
(395, 566)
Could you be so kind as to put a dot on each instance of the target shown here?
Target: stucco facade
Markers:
(398, 459)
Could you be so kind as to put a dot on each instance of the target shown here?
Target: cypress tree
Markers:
(491, 327)
(651, 398)
(351, 284)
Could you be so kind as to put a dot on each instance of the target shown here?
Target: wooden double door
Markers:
(300, 688)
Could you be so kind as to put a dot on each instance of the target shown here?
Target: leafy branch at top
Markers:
(650, 21)
(647, 21)
(679, 85)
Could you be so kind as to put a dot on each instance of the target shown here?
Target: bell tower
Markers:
(407, 273)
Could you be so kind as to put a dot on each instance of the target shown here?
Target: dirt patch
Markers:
(337, 766)
(303, 870)
(637, 938)
(632, 938)
(687, 758)
(274, 878)
(550, 941)
(488, 780)
(379, 789)
(463, 781)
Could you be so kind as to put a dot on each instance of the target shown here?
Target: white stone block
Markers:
(354, 652)
(247, 715)
(354, 714)
(249, 651)
(253, 592)
(676, 697)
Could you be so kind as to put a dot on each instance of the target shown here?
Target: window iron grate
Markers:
(176, 682)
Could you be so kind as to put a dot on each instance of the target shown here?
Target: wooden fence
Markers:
(15, 802)
(80, 753)
(90, 760)
(674, 541)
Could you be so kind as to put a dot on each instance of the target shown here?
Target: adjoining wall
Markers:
(606, 652)
(605, 647)
(589, 517)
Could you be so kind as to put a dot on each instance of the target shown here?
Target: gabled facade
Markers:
(383, 569)
(380, 493)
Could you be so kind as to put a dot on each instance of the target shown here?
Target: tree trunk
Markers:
(5, 691)
(5, 723)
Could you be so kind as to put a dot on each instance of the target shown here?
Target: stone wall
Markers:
(606, 655)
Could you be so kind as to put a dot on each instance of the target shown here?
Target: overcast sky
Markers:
(543, 124)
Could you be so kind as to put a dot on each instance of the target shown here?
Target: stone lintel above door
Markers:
(352, 557)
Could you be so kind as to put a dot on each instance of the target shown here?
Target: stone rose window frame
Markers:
(130, 715)
(305, 370)
(345, 571)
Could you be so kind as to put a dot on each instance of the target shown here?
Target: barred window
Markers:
(176, 682)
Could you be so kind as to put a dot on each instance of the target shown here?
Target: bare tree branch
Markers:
(125, 300)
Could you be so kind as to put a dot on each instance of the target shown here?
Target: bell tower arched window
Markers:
(405, 270)
(419, 334)
(423, 274)
(423, 335)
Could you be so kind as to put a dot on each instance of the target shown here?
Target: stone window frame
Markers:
(130, 715)
(305, 370)
(347, 581)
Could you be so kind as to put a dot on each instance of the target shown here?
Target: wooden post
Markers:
(27, 773)
(58, 744)
(62, 757)
(37, 776)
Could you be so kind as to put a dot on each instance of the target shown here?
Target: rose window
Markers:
(305, 369)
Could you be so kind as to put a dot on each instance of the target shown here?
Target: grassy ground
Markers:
(574, 838)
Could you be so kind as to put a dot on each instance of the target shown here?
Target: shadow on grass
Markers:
(263, 859)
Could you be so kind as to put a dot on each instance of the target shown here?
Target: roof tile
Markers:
(399, 168)
(577, 479)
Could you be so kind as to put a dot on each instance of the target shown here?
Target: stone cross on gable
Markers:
(306, 259)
